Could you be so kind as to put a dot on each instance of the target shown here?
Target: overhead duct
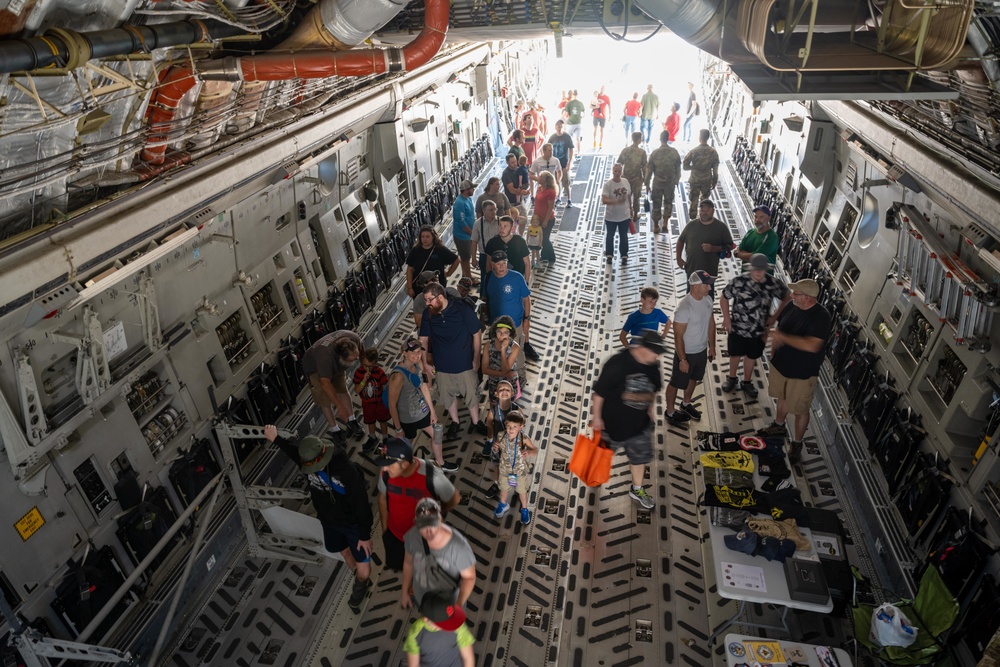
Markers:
(767, 40)
(341, 25)
(307, 64)
(68, 49)
(905, 37)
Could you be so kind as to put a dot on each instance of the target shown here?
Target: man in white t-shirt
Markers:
(545, 163)
(616, 196)
(694, 346)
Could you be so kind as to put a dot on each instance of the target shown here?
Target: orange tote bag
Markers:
(591, 460)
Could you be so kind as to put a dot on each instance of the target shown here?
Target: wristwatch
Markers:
(526, 317)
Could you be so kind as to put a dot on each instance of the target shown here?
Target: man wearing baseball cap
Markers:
(440, 636)
(760, 239)
(694, 346)
(507, 293)
(622, 406)
(338, 493)
(438, 559)
(463, 217)
(402, 483)
(796, 356)
(746, 317)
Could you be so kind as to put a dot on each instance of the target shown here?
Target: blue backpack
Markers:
(414, 378)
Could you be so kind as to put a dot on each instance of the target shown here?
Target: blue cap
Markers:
(751, 543)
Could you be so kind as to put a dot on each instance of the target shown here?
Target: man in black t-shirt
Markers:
(622, 406)
(562, 150)
(796, 356)
(511, 182)
(512, 244)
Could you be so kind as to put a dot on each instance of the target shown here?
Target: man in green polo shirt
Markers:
(760, 239)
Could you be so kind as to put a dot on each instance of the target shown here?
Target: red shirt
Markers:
(545, 200)
(530, 143)
(633, 108)
(401, 497)
(371, 393)
(672, 125)
(601, 110)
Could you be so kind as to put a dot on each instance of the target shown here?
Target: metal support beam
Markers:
(35, 425)
(249, 499)
(203, 522)
(150, 313)
(36, 649)
(140, 569)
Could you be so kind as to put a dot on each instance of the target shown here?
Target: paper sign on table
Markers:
(747, 577)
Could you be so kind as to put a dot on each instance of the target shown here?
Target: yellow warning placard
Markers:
(29, 524)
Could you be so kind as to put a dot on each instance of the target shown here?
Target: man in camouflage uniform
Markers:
(633, 161)
(703, 163)
(664, 169)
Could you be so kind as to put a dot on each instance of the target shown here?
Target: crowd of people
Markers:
(449, 358)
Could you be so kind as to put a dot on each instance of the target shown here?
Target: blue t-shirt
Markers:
(639, 321)
(451, 334)
(463, 215)
(506, 296)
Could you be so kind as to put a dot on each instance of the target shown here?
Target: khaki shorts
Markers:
(503, 480)
(797, 394)
(455, 385)
(339, 382)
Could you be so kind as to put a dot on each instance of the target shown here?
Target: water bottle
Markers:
(438, 434)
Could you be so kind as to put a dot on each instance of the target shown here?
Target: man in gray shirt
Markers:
(438, 558)
(703, 239)
(694, 345)
(326, 364)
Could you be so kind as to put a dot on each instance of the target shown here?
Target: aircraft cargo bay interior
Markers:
(305, 364)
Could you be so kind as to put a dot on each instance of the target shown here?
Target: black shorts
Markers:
(411, 429)
(740, 346)
(696, 369)
(338, 537)
(395, 551)
(599, 122)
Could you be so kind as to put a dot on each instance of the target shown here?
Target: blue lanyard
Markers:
(336, 488)
(512, 457)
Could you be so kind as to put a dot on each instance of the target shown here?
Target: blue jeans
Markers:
(548, 253)
(687, 128)
(609, 238)
(646, 127)
(629, 127)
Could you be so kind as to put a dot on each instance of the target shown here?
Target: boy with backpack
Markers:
(403, 482)
(339, 493)
(369, 383)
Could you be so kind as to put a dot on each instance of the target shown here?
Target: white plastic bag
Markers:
(891, 627)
